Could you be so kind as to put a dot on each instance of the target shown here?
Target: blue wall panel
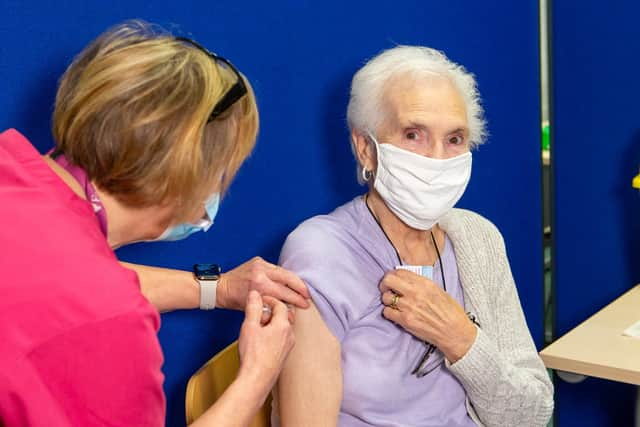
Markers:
(300, 57)
(596, 153)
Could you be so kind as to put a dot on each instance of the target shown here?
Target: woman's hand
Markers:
(264, 347)
(427, 312)
(263, 350)
(266, 278)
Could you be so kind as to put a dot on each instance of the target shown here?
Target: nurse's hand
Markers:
(427, 312)
(266, 278)
(264, 347)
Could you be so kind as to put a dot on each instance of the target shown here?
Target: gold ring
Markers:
(394, 301)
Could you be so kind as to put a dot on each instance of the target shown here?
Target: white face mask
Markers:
(418, 189)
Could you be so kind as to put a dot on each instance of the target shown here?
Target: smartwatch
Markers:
(207, 275)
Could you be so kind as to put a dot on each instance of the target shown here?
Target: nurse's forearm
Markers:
(237, 406)
(167, 289)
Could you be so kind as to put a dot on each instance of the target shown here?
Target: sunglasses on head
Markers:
(235, 92)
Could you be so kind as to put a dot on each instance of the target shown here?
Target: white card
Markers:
(633, 330)
(422, 270)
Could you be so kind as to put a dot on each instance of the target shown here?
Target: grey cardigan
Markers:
(505, 380)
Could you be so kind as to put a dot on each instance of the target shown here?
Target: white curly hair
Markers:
(364, 112)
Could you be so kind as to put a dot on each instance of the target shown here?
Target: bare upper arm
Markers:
(309, 390)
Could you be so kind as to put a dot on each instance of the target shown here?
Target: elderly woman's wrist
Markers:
(461, 344)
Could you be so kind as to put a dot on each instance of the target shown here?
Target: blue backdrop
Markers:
(596, 151)
(300, 57)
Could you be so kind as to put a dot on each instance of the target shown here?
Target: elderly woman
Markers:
(415, 320)
(150, 130)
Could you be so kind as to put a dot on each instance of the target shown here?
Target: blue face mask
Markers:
(182, 231)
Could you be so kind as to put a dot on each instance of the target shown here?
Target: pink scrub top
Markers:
(78, 344)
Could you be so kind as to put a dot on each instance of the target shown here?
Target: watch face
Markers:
(206, 271)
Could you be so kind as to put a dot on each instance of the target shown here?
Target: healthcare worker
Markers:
(150, 130)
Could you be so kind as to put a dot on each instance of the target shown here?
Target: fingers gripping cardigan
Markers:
(505, 379)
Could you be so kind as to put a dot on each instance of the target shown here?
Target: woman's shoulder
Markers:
(324, 234)
(467, 227)
(466, 221)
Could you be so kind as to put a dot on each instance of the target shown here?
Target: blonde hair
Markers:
(132, 110)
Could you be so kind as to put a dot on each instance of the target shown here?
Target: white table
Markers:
(597, 348)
